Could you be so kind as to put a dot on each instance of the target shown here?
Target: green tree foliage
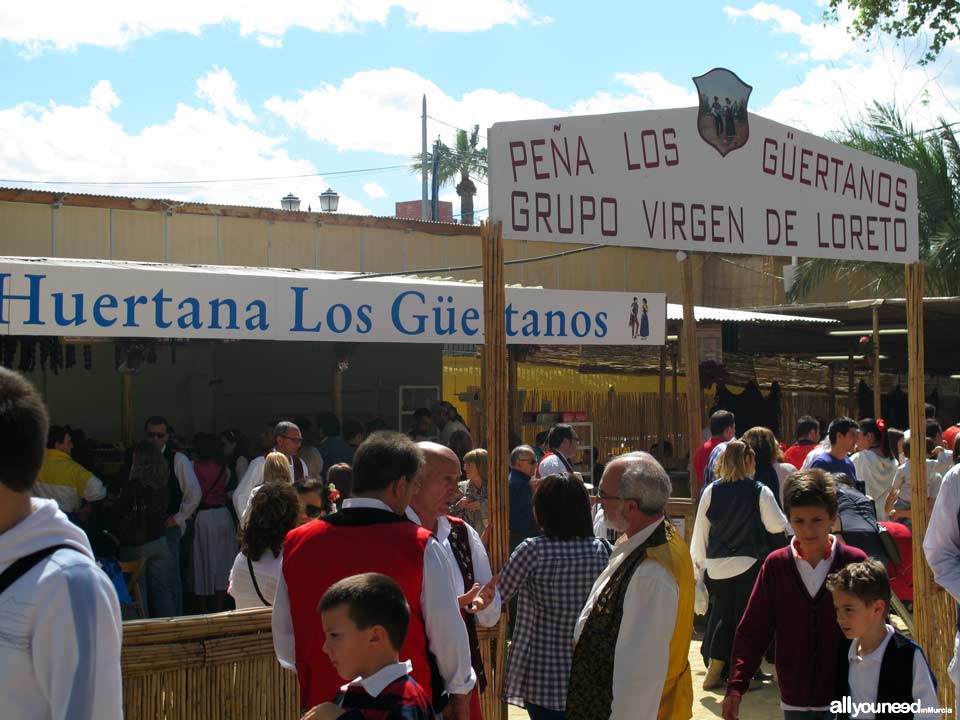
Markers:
(935, 156)
(464, 161)
(904, 19)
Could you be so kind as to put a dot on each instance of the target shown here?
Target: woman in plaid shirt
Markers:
(553, 575)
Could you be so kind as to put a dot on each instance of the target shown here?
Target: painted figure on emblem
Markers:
(644, 320)
(634, 322)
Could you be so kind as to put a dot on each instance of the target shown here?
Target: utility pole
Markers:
(424, 200)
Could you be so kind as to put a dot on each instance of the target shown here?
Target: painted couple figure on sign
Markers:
(639, 323)
(724, 123)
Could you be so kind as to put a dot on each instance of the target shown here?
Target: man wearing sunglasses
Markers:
(287, 439)
(183, 489)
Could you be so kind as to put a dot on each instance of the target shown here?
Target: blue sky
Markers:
(112, 93)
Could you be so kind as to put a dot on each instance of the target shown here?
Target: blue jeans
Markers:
(173, 541)
(157, 577)
(537, 712)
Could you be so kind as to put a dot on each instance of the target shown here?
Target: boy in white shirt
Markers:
(879, 665)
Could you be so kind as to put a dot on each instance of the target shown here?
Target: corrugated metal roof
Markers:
(708, 314)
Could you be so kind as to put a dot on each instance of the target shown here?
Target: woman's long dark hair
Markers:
(273, 513)
(869, 425)
(562, 508)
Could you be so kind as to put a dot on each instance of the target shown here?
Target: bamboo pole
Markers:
(513, 396)
(694, 398)
(675, 415)
(126, 409)
(934, 610)
(495, 393)
(337, 390)
(851, 404)
(661, 405)
(877, 410)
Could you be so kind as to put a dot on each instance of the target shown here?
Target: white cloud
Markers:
(379, 110)
(103, 98)
(374, 190)
(829, 96)
(824, 41)
(220, 89)
(117, 23)
(66, 142)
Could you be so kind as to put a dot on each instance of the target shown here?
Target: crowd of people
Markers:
(370, 550)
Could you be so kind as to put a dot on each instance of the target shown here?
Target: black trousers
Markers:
(728, 600)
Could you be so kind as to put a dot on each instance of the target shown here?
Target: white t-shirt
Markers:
(240, 587)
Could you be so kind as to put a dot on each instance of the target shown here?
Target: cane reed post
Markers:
(496, 398)
(934, 611)
(877, 410)
(694, 396)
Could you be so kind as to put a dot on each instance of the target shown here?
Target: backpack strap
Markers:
(256, 586)
(19, 568)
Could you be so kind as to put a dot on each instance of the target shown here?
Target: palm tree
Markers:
(463, 161)
(935, 156)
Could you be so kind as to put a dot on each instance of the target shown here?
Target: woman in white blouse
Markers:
(876, 461)
(729, 545)
(272, 514)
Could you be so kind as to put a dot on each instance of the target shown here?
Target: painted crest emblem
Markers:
(722, 119)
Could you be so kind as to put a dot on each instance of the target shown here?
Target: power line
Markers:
(455, 127)
(172, 183)
(459, 268)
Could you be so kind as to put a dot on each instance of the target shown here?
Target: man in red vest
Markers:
(439, 478)
(371, 534)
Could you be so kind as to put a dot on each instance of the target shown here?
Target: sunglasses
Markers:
(157, 435)
(292, 439)
(313, 511)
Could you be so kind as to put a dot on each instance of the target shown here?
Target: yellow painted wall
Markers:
(81, 232)
(25, 229)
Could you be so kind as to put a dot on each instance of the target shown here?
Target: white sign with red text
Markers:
(649, 179)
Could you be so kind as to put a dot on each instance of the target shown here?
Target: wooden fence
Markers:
(206, 666)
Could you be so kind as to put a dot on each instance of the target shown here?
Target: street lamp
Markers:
(329, 201)
(290, 202)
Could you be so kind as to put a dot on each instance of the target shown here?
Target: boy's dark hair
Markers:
(57, 434)
(371, 599)
(207, 447)
(328, 423)
(720, 421)
(933, 428)
(559, 433)
(810, 488)
(929, 410)
(352, 428)
(805, 424)
(562, 508)
(867, 581)
(421, 413)
(156, 420)
(23, 431)
(841, 426)
(382, 459)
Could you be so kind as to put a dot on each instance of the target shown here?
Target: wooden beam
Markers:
(694, 398)
(496, 400)
(337, 390)
(675, 415)
(934, 611)
(877, 409)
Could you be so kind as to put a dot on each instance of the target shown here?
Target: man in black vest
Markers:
(184, 490)
(438, 479)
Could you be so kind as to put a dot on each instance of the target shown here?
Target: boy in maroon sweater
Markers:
(365, 619)
(790, 602)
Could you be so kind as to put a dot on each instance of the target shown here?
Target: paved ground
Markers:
(761, 704)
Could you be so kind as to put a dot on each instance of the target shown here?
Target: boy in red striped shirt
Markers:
(365, 619)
